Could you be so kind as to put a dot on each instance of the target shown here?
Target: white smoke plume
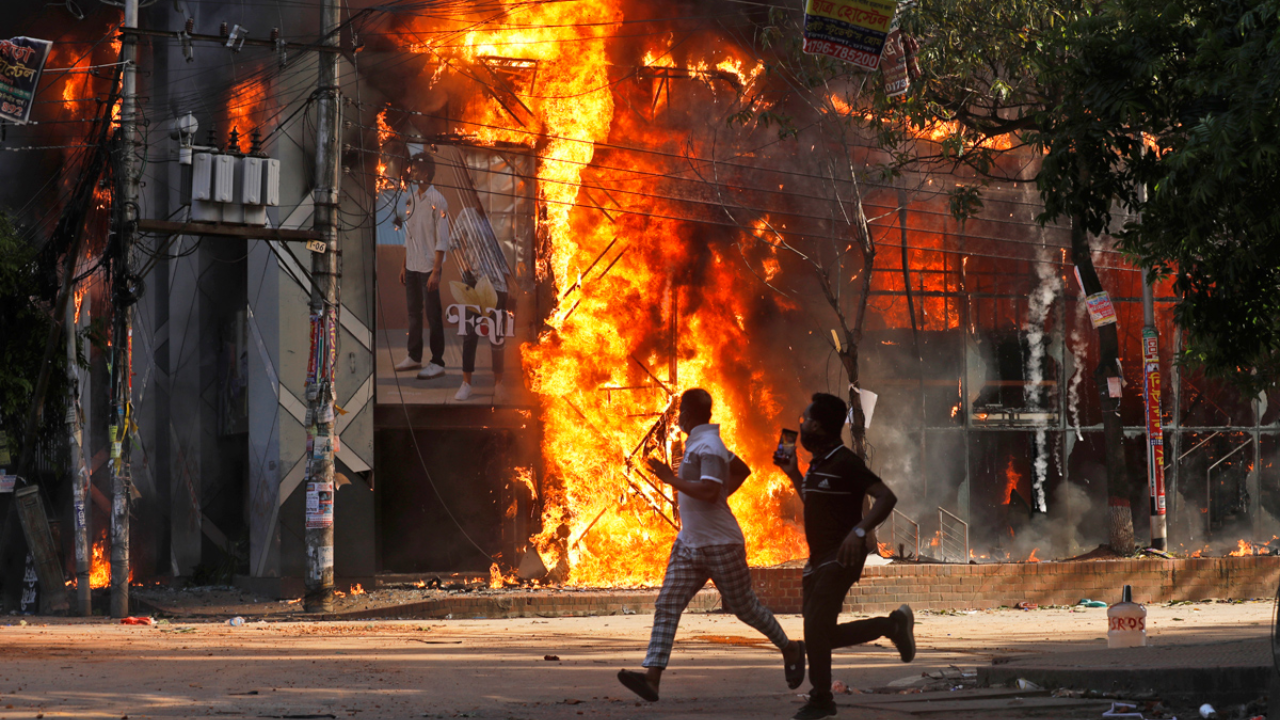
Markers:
(1042, 298)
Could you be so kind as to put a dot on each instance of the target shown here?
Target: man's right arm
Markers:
(792, 470)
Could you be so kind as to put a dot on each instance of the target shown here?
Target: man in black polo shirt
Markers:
(833, 491)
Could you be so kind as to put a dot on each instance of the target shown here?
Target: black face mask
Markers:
(818, 439)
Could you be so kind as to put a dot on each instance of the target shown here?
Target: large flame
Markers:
(605, 369)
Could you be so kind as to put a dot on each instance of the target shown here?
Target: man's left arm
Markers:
(854, 545)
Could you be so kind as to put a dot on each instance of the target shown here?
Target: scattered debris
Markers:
(236, 621)
(1025, 684)
(133, 621)
(1026, 606)
(1086, 602)
(1207, 712)
(1123, 710)
(551, 658)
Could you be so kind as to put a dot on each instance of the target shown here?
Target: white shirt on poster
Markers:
(426, 230)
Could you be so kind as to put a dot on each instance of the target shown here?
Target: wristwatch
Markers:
(860, 532)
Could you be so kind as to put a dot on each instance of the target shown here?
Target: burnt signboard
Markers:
(22, 61)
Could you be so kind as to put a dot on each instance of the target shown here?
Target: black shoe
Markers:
(904, 632)
(815, 710)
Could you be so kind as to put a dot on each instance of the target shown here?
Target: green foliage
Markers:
(24, 327)
(1201, 80)
(981, 67)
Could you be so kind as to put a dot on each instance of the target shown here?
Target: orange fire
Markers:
(251, 105)
(884, 550)
(100, 570)
(497, 579)
(571, 95)
(1011, 482)
(100, 566)
(79, 301)
(561, 99)
(1245, 548)
(1032, 558)
(385, 134)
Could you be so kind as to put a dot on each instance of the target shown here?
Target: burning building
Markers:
(608, 175)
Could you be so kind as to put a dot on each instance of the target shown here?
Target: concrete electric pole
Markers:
(79, 472)
(324, 326)
(1151, 405)
(123, 299)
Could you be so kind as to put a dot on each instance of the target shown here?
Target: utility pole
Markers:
(1151, 404)
(79, 472)
(122, 332)
(321, 431)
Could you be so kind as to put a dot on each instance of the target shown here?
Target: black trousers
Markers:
(473, 338)
(824, 592)
(417, 294)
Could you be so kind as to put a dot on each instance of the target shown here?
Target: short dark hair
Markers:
(696, 405)
(422, 164)
(829, 411)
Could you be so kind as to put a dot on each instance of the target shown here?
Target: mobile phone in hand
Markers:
(786, 446)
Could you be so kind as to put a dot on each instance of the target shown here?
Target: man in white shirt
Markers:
(710, 546)
(426, 242)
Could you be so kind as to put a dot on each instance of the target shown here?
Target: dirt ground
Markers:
(528, 669)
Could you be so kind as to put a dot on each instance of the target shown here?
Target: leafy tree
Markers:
(24, 325)
(991, 70)
(833, 106)
(1171, 110)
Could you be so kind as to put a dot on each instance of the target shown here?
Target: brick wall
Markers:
(534, 603)
(884, 588)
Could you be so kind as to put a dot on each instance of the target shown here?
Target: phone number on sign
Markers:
(861, 58)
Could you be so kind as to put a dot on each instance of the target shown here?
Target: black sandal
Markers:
(638, 684)
(795, 671)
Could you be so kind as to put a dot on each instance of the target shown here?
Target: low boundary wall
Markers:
(884, 587)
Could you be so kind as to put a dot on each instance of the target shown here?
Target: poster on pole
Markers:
(849, 30)
(1155, 432)
(1101, 311)
(22, 61)
(319, 505)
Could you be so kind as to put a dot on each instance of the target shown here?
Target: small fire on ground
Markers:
(100, 566)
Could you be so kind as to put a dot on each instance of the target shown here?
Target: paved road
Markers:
(496, 668)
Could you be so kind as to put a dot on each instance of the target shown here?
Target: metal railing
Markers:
(904, 533)
(953, 537)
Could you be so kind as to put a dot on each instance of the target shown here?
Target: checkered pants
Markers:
(688, 570)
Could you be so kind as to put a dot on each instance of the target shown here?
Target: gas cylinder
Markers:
(1126, 622)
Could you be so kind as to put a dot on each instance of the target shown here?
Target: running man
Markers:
(833, 491)
(710, 546)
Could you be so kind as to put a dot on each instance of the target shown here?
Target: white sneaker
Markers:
(464, 392)
(431, 370)
(408, 364)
